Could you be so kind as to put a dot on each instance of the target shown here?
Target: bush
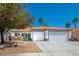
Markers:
(16, 45)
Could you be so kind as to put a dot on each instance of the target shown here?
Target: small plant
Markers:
(16, 45)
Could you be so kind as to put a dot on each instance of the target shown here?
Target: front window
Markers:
(23, 34)
(17, 34)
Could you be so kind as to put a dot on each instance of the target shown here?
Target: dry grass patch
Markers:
(28, 47)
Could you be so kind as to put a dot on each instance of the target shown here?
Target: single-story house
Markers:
(43, 33)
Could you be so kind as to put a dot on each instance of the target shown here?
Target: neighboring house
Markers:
(43, 33)
(75, 34)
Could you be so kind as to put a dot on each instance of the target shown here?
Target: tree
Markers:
(68, 24)
(40, 20)
(23, 20)
(8, 14)
(11, 18)
(75, 20)
(45, 24)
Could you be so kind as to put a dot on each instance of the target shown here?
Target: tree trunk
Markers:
(40, 24)
(2, 37)
(75, 25)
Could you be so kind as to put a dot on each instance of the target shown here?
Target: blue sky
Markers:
(55, 14)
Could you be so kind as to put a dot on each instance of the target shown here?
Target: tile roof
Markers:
(77, 29)
(21, 30)
(29, 29)
(48, 28)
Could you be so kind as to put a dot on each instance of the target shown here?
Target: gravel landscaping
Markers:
(29, 47)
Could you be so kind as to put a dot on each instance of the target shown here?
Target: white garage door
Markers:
(58, 36)
(38, 35)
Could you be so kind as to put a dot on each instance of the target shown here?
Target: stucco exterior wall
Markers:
(70, 34)
(42, 34)
(12, 33)
(46, 34)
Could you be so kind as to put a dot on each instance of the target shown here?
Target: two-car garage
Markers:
(51, 35)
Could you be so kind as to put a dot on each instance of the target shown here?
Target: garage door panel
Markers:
(58, 36)
(38, 35)
(57, 33)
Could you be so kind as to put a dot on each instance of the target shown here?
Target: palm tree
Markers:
(46, 24)
(75, 20)
(31, 21)
(68, 24)
(40, 20)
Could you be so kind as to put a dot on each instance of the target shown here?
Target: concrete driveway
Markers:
(59, 48)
